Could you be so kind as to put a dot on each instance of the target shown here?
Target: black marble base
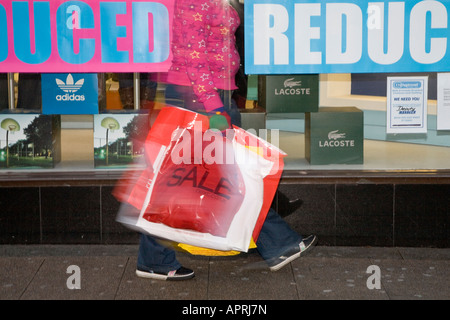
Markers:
(404, 215)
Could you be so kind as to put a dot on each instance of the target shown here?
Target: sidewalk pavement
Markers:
(107, 272)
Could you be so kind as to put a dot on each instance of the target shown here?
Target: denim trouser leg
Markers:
(153, 256)
(183, 97)
(231, 107)
(276, 236)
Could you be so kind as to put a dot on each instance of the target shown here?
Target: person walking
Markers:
(202, 79)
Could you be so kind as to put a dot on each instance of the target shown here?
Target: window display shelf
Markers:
(385, 162)
(57, 177)
(378, 156)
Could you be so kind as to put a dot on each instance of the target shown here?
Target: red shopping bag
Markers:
(196, 195)
(132, 188)
(212, 193)
(272, 179)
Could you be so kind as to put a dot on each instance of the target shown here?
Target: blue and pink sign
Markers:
(346, 36)
(85, 36)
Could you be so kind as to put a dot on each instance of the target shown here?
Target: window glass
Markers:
(3, 91)
(374, 84)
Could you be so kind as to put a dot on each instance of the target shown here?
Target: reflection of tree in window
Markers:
(38, 133)
(136, 131)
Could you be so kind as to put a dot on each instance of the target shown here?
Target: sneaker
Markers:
(294, 253)
(180, 274)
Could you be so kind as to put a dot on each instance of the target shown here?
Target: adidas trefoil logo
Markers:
(70, 88)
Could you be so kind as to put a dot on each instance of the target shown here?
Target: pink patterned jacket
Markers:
(204, 50)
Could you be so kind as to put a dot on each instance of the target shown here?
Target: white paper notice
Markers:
(407, 102)
(443, 101)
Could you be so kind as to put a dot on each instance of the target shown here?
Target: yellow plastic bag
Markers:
(198, 251)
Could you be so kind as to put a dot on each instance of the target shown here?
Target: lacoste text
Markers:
(292, 92)
(337, 143)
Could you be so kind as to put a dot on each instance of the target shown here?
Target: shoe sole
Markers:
(155, 276)
(295, 256)
(285, 262)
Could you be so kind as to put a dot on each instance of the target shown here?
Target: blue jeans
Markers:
(156, 257)
(275, 238)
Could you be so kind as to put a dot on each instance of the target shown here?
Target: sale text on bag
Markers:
(332, 36)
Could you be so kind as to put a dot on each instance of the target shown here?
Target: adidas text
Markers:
(70, 97)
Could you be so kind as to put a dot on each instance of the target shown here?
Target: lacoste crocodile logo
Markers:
(291, 83)
(335, 135)
(69, 85)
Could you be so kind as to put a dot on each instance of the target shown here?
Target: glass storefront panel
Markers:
(414, 151)
(117, 92)
(78, 145)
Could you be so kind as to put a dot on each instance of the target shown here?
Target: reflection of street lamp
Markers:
(9, 125)
(110, 124)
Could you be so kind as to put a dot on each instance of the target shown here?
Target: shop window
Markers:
(120, 91)
(382, 151)
(3, 91)
(78, 148)
(27, 91)
(68, 141)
